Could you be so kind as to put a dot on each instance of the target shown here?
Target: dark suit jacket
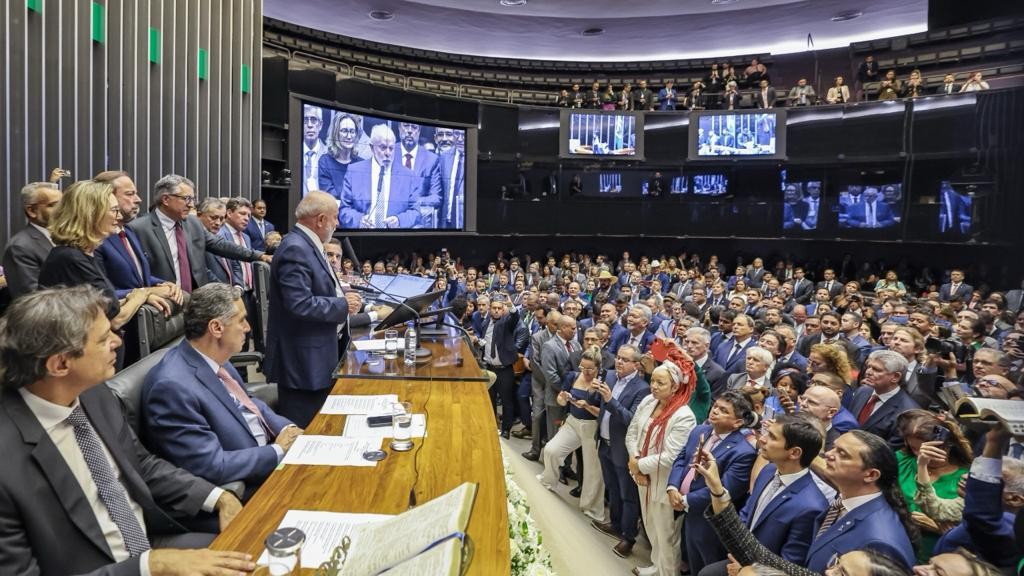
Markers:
(555, 363)
(427, 168)
(793, 212)
(120, 267)
(985, 529)
(856, 214)
(259, 240)
(189, 418)
(237, 276)
(623, 336)
(883, 422)
(761, 101)
(738, 362)
(303, 316)
(504, 336)
(356, 197)
(48, 527)
(963, 292)
(803, 293)
(23, 260)
(786, 526)
(620, 413)
(715, 376)
(200, 241)
(218, 269)
(872, 525)
(446, 164)
(836, 290)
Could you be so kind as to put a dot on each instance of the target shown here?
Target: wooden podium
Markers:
(461, 445)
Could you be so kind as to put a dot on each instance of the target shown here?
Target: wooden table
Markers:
(461, 445)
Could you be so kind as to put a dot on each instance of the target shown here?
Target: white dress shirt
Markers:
(172, 242)
(883, 398)
(385, 189)
(44, 231)
(763, 501)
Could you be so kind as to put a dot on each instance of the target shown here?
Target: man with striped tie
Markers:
(78, 492)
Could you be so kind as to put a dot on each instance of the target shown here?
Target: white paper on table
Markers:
(356, 427)
(331, 451)
(376, 345)
(323, 530)
(380, 404)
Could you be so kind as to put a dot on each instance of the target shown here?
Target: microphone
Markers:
(364, 289)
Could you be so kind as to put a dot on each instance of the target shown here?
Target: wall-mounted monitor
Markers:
(956, 206)
(594, 133)
(712, 184)
(385, 173)
(728, 134)
(801, 202)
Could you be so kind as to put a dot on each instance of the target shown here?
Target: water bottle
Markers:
(410, 343)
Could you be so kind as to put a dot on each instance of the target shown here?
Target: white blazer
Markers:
(657, 465)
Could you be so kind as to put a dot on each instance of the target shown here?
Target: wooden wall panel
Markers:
(87, 105)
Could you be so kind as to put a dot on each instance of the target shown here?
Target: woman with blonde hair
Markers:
(342, 150)
(579, 430)
(88, 213)
(659, 430)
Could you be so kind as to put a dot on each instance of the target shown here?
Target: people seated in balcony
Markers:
(765, 96)
(643, 97)
(755, 73)
(802, 94)
(713, 81)
(731, 98)
(563, 100)
(890, 87)
(915, 85)
(625, 98)
(609, 98)
(948, 85)
(696, 98)
(729, 75)
(576, 97)
(594, 96)
(667, 96)
(342, 139)
(839, 93)
(974, 84)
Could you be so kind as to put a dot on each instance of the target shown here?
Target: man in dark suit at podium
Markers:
(377, 193)
(307, 311)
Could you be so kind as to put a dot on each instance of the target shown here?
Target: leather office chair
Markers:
(127, 384)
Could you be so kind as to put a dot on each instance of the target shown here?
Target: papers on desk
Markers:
(324, 531)
(376, 345)
(331, 451)
(381, 404)
(356, 427)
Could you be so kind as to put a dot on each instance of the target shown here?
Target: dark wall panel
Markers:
(89, 104)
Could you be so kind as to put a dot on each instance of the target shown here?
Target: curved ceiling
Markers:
(633, 31)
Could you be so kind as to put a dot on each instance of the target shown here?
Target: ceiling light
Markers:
(593, 31)
(382, 15)
(720, 2)
(512, 2)
(847, 15)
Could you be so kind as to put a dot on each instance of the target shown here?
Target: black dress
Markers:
(68, 266)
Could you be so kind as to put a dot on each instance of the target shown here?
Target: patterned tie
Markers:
(184, 268)
(380, 209)
(111, 492)
(766, 498)
(307, 170)
(236, 390)
(456, 186)
(835, 510)
(735, 350)
(865, 412)
(246, 266)
(408, 161)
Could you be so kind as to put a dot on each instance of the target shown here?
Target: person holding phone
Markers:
(660, 427)
(723, 437)
(579, 429)
(934, 457)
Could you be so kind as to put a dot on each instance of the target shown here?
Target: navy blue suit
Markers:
(623, 496)
(119, 266)
(228, 233)
(985, 529)
(259, 237)
(872, 525)
(735, 457)
(787, 524)
(623, 337)
(302, 336)
(856, 214)
(189, 418)
(356, 197)
(427, 168)
(798, 360)
(450, 171)
(883, 422)
(737, 363)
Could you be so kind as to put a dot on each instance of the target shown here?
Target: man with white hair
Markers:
(307, 311)
(881, 399)
(379, 193)
(636, 335)
(312, 147)
(28, 249)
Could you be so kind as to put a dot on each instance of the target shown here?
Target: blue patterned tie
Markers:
(111, 491)
(380, 209)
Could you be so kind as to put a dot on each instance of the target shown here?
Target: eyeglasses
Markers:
(591, 369)
(184, 198)
(115, 211)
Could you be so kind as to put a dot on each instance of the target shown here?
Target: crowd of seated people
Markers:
(817, 398)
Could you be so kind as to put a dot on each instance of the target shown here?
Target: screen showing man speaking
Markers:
(385, 174)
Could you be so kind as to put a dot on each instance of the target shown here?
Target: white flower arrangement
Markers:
(528, 556)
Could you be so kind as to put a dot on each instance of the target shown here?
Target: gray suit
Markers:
(537, 384)
(23, 260)
(555, 363)
(59, 533)
(158, 252)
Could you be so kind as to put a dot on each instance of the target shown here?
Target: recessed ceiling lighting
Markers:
(382, 15)
(593, 31)
(847, 15)
(512, 2)
(719, 2)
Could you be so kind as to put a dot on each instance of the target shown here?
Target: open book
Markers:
(425, 540)
(989, 411)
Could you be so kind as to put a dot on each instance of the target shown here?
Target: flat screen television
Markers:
(597, 133)
(710, 184)
(421, 186)
(801, 203)
(956, 207)
(730, 134)
(870, 206)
